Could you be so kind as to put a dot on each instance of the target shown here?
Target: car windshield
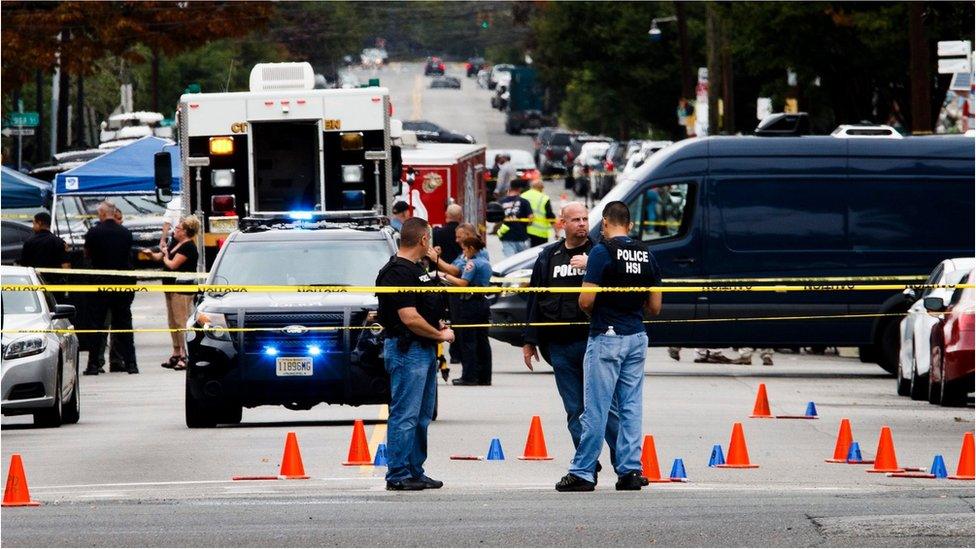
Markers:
(19, 303)
(131, 205)
(521, 160)
(302, 262)
(560, 139)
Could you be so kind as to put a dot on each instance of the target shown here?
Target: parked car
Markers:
(372, 58)
(525, 167)
(63, 162)
(496, 72)
(428, 131)
(766, 207)
(434, 66)
(951, 375)
(539, 139)
(644, 151)
(914, 357)
(555, 153)
(474, 65)
(613, 162)
(587, 167)
(141, 214)
(14, 233)
(446, 82)
(40, 370)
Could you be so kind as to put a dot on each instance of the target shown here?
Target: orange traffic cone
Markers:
(844, 439)
(963, 472)
(738, 457)
(649, 464)
(535, 445)
(358, 448)
(761, 409)
(885, 460)
(291, 461)
(16, 494)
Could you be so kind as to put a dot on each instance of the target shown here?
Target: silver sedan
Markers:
(39, 372)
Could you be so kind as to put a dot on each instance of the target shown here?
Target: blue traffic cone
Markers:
(938, 467)
(718, 457)
(380, 459)
(495, 452)
(811, 409)
(678, 470)
(854, 453)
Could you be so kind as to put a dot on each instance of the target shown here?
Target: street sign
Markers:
(954, 65)
(23, 132)
(955, 48)
(28, 119)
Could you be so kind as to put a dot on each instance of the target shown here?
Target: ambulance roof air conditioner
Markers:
(282, 76)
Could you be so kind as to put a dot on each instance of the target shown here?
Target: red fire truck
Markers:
(438, 174)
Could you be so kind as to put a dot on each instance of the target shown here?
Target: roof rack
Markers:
(784, 124)
(866, 130)
(360, 219)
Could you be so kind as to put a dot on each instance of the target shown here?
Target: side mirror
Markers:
(495, 213)
(163, 174)
(934, 304)
(63, 311)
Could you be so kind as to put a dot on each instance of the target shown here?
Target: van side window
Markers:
(659, 212)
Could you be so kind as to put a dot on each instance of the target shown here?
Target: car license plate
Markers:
(294, 366)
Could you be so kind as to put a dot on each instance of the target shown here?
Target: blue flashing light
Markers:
(300, 216)
(271, 351)
(314, 350)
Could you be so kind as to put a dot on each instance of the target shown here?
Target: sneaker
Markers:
(674, 353)
(90, 371)
(712, 359)
(631, 481)
(743, 360)
(409, 484)
(572, 483)
(430, 484)
(767, 360)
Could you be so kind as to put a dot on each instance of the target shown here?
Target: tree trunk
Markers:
(80, 139)
(155, 81)
(919, 66)
(39, 107)
(63, 82)
(714, 73)
(728, 102)
(687, 79)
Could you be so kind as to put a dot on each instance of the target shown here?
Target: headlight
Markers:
(516, 279)
(214, 323)
(25, 347)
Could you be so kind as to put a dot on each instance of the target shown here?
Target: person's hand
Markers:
(528, 353)
(438, 250)
(432, 254)
(578, 261)
(447, 335)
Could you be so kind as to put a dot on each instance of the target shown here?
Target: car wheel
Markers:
(952, 393)
(920, 386)
(72, 410)
(231, 413)
(889, 341)
(52, 417)
(198, 413)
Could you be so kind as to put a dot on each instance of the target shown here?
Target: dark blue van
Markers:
(758, 207)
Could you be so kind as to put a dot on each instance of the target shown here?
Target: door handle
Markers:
(684, 260)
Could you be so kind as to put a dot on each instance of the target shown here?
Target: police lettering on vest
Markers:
(563, 306)
(630, 267)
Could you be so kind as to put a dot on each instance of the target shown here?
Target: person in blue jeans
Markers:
(413, 326)
(615, 351)
(563, 346)
(472, 308)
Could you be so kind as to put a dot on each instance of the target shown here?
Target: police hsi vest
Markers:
(630, 266)
(563, 307)
(540, 223)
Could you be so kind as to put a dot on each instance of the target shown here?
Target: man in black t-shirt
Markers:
(44, 249)
(513, 233)
(413, 326)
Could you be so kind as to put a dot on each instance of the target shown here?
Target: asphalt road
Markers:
(131, 474)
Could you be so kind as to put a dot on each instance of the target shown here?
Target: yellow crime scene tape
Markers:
(378, 328)
(230, 288)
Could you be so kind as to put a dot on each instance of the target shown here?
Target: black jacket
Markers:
(533, 334)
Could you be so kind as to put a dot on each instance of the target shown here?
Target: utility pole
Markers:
(687, 80)
(918, 55)
(80, 139)
(728, 102)
(39, 107)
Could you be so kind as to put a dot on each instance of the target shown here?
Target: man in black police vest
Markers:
(563, 263)
(615, 352)
(413, 326)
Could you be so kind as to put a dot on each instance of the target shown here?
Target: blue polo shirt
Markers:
(476, 271)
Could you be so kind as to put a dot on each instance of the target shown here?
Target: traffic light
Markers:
(484, 23)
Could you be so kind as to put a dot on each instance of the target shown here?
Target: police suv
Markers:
(290, 349)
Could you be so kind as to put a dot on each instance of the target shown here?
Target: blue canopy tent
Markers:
(22, 191)
(126, 170)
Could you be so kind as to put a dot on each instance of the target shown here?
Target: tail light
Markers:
(967, 322)
(549, 154)
(608, 165)
(467, 66)
(441, 66)
(222, 203)
(570, 156)
(220, 243)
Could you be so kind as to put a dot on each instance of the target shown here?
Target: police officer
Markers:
(413, 327)
(563, 263)
(43, 248)
(108, 245)
(615, 351)
(542, 215)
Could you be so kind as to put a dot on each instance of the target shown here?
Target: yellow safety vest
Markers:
(540, 225)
